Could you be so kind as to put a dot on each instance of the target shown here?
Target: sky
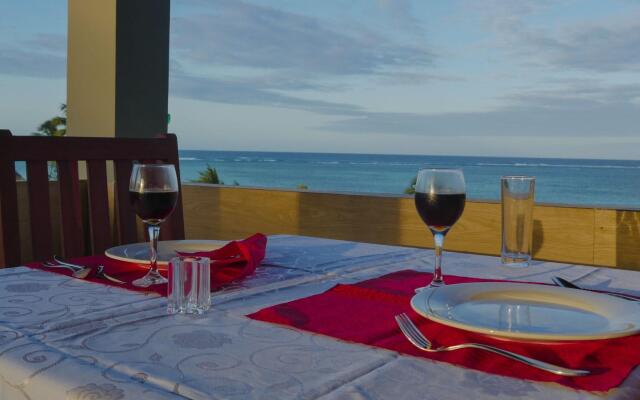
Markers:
(531, 78)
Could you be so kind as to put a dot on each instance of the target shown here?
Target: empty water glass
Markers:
(517, 219)
(189, 286)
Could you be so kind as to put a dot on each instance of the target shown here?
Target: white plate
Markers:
(139, 252)
(530, 312)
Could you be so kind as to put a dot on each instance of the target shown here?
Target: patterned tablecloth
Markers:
(63, 338)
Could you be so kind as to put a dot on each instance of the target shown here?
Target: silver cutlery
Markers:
(416, 337)
(67, 263)
(570, 285)
(81, 271)
(100, 273)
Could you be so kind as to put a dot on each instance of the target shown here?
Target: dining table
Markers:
(67, 338)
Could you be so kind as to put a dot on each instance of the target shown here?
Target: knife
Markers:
(570, 285)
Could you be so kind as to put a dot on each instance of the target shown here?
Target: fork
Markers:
(77, 272)
(80, 271)
(416, 337)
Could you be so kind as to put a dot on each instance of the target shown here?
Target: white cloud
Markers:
(597, 47)
(249, 93)
(400, 13)
(575, 111)
(31, 63)
(42, 56)
(606, 44)
(237, 52)
(236, 33)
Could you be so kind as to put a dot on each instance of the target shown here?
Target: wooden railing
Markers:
(583, 235)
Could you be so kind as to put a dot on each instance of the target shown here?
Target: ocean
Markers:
(566, 181)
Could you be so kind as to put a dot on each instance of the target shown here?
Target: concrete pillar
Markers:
(118, 67)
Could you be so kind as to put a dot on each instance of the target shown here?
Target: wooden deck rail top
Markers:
(574, 234)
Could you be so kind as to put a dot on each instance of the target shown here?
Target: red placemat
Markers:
(364, 313)
(232, 262)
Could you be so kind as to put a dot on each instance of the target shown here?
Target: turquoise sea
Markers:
(568, 181)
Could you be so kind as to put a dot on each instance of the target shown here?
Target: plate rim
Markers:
(424, 295)
(109, 252)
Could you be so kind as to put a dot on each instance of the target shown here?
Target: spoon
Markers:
(82, 273)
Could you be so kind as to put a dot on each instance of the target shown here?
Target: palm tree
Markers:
(209, 175)
(56, 126)
(411, 189)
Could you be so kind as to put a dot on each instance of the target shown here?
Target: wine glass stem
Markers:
(438, 239)
(154, 233)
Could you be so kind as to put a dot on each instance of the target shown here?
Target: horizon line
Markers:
(411, 155)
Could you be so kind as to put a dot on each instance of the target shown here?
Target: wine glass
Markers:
(439, 197)
(153, 190)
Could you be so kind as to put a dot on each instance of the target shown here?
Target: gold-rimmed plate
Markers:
(167, 249)
(528, 311)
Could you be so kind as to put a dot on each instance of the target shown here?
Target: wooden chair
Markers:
(37, 151)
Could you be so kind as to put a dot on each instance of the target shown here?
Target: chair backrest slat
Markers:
(70, 209)
(126, 216)
(8, 204)
(67, 152)
(39, 209)
(99, 223)
(174, 226)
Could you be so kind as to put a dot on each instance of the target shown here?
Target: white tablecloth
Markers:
(63, 338)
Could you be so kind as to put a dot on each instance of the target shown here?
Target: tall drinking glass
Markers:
(153, 190)
(517, 194)
(440, 197)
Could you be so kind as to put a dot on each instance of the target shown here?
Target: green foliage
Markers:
(411, 189)
(209, 175)
(56, 126)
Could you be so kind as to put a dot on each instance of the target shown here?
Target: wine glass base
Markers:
(437, 283)
(151, 278)
(432, 284)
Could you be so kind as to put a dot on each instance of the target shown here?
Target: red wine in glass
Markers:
(153, 191)
(440, 211)
(439, 197)
(153, 207)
